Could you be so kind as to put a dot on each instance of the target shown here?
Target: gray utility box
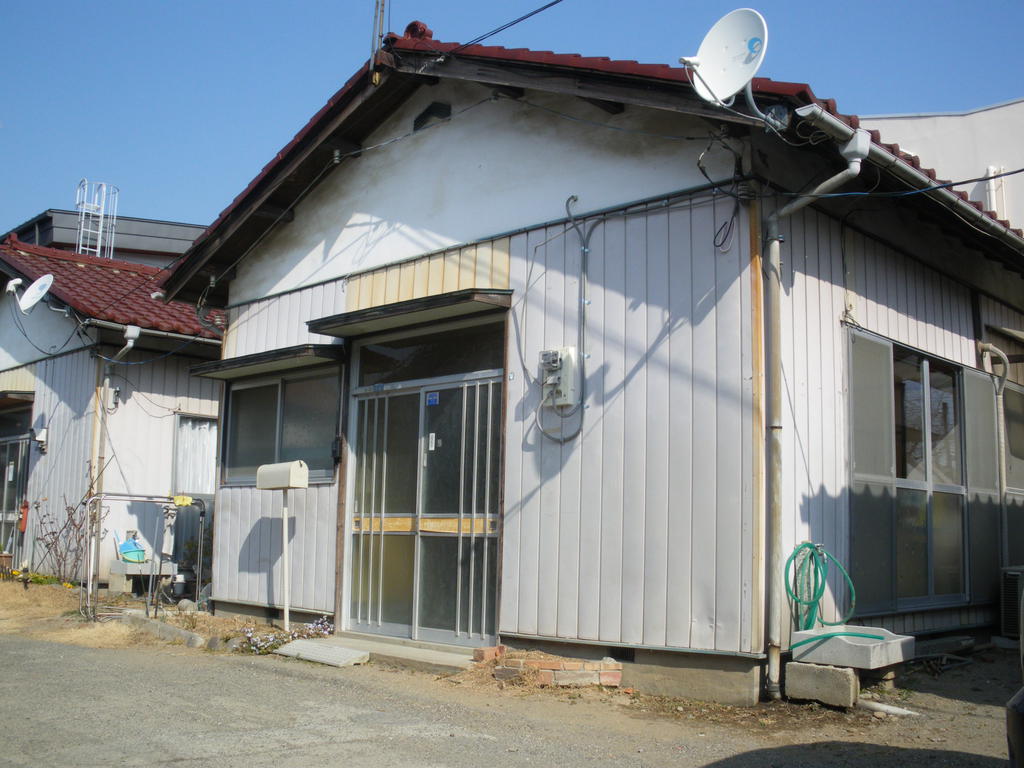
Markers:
(850, 651)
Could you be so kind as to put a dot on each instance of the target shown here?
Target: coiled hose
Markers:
(807, 588)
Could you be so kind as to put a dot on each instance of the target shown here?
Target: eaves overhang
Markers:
(274, 361)
(413, 312)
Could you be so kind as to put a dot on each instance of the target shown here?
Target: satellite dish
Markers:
(729, 56)
(34, 293)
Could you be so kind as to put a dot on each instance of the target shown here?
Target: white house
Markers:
(575, 362)
(96, 401)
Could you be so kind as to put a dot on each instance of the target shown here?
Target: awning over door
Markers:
(402, 314)
(275, 360)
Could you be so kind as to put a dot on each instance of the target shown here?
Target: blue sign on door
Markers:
(433, 398)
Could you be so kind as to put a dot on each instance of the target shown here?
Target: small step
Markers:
(316, 649)
(430, 658)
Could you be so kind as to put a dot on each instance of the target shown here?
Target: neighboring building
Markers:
(970, 145)
(393, 275)
(144, 241)
(154, 435)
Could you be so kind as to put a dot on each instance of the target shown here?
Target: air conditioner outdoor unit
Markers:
(1011, 593)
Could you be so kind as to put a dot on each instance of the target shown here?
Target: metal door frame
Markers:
(419, 387)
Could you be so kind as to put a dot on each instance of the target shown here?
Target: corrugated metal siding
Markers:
(280, 321)
(64, 404)
(21, 379)
(247, 536)
(636, 531)
(893, 296)
(482, 265)
(923, 622)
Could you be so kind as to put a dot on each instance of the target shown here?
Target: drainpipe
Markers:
(854, 151)
(988, 351)
(131, 333)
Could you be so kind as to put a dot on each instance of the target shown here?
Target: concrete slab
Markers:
(322, 651)
(433, 658)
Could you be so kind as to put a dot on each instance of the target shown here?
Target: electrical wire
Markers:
(19, 324)
(480, 38)
(609, 126)
(178, 348)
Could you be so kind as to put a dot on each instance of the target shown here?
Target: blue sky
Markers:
(181, 104)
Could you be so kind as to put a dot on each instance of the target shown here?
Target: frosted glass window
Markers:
(309, 426)
(252, 430)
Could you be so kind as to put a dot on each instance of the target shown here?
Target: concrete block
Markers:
(836, 686)
(507, 673)
(576, 678)
(723, 679)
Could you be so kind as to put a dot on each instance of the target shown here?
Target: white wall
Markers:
(963, 146)
(499, 166)
(45, 332)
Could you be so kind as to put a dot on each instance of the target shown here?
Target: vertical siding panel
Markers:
(613, 234)
(591, 448)
(421, 278)
(467, 266)
(680, 419)
(392, 279)
(451, 271)
(482, 277)
(406, 281)
(435, 274)
(729, 462)
(705, 418)
(517, 436)
(500, 263)
(568, 551)
(551, 454)
(659, 360)
(634, 452)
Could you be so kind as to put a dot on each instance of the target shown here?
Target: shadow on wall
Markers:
(262, 546)
(841, 753)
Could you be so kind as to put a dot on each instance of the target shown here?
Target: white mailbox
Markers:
(289, 474)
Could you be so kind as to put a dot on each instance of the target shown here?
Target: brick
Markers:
(546, 676)
(488, 653)
(612, 679)
(512, 663)
(836, 686)
(507, 673)
(576, 678)
(572, 666)
(542, 663)
(611, 666)
(592, 666)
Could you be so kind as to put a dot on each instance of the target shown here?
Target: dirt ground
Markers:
(961, 707)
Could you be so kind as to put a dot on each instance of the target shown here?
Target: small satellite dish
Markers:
(729, 56)
(34, 293)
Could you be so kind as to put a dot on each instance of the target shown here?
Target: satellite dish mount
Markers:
(728, 58)
(31, 295)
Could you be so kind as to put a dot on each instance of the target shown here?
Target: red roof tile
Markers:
(103, 289)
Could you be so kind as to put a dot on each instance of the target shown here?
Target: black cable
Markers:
(479, 39)
(178, 348)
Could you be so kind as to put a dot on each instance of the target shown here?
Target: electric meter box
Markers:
(560, 377)
(289, 474)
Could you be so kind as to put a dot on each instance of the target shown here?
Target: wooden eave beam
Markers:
(624, 90)
(611, 107)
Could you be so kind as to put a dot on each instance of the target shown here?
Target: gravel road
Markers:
(66, 705)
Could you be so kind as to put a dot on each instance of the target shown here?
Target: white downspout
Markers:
(855, 150)
(988, 350)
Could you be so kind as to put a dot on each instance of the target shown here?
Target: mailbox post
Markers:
(285, 476)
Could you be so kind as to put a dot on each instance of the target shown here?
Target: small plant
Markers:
(269, 642)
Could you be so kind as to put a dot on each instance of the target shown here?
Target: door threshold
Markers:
(408, 642)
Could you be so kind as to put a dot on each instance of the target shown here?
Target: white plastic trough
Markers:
(852, 651)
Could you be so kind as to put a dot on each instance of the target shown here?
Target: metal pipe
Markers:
(988, 350)
(840, 131)
(284, 557)
(855, 150)
(150, 332)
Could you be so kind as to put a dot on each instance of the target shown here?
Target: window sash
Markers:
(322, 466)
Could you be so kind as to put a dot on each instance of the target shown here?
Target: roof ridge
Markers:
(11, 241)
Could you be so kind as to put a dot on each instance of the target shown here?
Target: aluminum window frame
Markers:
(928, 485)
(316, 476)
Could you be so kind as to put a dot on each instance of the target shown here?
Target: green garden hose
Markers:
(807, 588)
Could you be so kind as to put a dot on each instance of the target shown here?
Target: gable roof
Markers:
(103, 289)
(416, 58)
